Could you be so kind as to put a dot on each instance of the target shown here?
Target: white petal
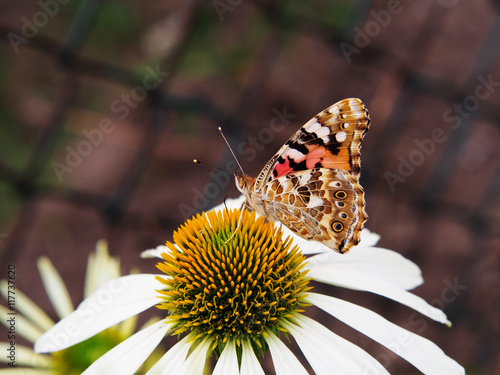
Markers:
(420, 352)
(114, 302)
(359, 281)
(28, 308)
(23, 327)
(285, 362)
(129, 355)
(173, 359)
(55, 287)
(382, 263)
(197, 360)
(368, 238)
(249, 363)
(228, 361)
(101, 268)
(329, 353)
(155, 253)
(24, 356)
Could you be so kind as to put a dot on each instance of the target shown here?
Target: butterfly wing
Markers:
(312, 185)
(325, 205)
(331, 139)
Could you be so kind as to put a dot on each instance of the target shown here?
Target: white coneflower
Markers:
(233, 293)
(32, 321)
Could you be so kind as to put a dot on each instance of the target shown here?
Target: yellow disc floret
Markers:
(231, 276)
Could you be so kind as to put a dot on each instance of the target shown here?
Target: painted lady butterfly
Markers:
(312, 184)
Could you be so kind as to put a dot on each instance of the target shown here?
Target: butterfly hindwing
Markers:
(321, 204)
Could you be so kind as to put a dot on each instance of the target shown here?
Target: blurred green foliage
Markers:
(117, 26)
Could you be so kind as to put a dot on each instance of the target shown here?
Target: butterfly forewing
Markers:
(331, 139)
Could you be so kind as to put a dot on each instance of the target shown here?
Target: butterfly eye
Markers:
(337, 226)
(340, 204)
(343, 215)
(340, 194)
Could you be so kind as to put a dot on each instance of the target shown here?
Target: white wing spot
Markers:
(315, 202)
(287, 185)
(345, 125)
(355, 107)
(314, 126)
(334, 109)
(343, 115)
(341, 136)
(294, 154)
(323, 132)
(304, 179)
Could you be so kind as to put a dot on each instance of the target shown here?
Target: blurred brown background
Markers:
(104, 104)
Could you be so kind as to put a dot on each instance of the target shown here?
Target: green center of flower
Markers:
(231, 276)
(77, 358)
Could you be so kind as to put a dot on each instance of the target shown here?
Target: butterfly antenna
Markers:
(230, 149)
(196, 161)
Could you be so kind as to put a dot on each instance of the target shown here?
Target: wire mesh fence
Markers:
(105, 104)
